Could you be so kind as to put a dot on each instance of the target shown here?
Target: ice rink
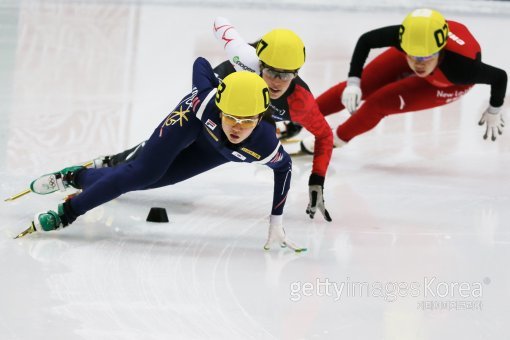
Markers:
(418, 247)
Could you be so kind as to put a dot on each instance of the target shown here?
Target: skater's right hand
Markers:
(276, 234)
(351, 97)
(220, 26)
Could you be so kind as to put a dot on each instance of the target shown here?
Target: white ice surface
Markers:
(422, 199)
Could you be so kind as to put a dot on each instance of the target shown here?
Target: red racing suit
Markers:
(389, 86)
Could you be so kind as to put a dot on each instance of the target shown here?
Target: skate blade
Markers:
(23, 193)
(27, 191)
(290, 140)
(29, 230)
(298, 154)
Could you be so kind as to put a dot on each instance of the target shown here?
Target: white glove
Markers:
(315, 191)
(494, 120)
(317, 202)
(351, 97)
(276, 234)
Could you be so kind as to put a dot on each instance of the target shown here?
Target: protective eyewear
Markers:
(423, 59)
(283, 75)
(243, 122)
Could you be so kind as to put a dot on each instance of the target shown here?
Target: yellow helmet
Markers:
(423, 32)
(243, 94)
(282, 49)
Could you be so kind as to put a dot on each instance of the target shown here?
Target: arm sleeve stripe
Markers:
(206, 101)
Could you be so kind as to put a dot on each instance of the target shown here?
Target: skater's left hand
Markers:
(316, 187)
(493, 119)
(276, 234)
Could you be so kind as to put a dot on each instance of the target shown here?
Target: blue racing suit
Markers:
(188, 142)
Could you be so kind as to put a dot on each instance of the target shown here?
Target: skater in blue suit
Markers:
(214, 124)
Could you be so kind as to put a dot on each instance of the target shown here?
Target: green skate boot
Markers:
(50, 220)
(60, 180)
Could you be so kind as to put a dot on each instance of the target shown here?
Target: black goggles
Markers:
(273, 73)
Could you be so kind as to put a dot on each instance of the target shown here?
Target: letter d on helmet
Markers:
(243, 94)
(282, 49)
(423, 33)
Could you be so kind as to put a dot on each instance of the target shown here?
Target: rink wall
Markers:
(459, 6)
(491, 7)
